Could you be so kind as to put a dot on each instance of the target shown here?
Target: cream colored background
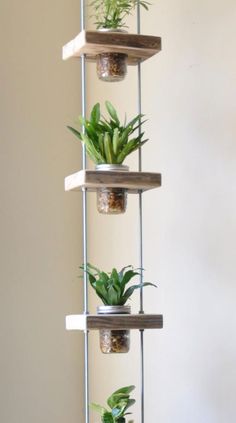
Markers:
(189, 224)
(188, 94)
(40, 364)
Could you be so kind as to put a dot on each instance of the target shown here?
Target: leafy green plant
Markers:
(112, 13)
(111, 287)
(106, 140)
(118, 402)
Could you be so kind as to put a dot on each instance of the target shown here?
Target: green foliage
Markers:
(106, 140)
(111, 287)
(118, 402)
(112, 13)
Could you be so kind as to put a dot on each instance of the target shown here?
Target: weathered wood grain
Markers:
(91, 43)
(134, 182)
(114, 321)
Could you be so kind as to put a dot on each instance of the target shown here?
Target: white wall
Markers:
(189, 96)
(40, 363)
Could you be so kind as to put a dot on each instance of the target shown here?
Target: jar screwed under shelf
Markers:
(111, 66)
(112, 200)
(114, 341)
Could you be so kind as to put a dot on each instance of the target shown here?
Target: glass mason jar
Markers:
(114, 341)
(111, 67)
(112, 200)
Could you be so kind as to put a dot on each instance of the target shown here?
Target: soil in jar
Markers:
(111, 201)
(111, 66)
(114, 341)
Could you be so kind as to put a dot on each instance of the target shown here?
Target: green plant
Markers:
(111, 287)
(107, 141)
(112, 13)
(118, 402)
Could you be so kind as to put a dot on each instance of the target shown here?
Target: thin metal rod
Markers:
(84, 162)
(86, 375)
(85, 225)
(140, 230)
(83, 107)
(142, 373)
(86, 333)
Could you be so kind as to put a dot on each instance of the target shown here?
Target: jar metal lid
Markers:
(114, 167)
(116, 309)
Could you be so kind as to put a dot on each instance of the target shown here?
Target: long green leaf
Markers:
(113, 296)
(131, 289)
(112, 112)
(95, 114)
(75, 132)
(115, 141)
(108, 148)
(91, 149)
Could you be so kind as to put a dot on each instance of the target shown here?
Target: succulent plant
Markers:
(118, 402)
(107, 141)
(112, 13)
(111, 287)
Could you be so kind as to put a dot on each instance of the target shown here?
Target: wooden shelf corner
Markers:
(114, 321)
(91, 43)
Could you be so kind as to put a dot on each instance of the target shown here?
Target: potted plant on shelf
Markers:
(108, 143)
(119, 402)
(112, 289)
(110, 16)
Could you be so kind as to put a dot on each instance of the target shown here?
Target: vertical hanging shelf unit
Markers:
(135, 48)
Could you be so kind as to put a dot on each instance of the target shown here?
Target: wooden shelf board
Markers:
(91, 43)
(92, 180)
(114, 321)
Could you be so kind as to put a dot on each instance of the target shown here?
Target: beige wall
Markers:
(40, 363)
(189, 96)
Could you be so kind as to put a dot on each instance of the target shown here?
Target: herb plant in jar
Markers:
(112, 289)
(110, 16)
(108, 143)
(119, 402)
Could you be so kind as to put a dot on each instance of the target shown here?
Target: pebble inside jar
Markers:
(111, 67)
(111, 200)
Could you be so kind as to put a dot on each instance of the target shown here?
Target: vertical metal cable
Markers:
(85, 225)
(141, 311)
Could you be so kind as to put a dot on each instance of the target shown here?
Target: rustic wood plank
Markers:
(91, 43)
(94, 179)
(114, 321)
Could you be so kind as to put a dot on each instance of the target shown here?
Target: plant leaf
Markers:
(112, 112)
(108, 148)
(95, 114)
(75, 132)
(96, 407)
(107, 418)
(127, 277)
(131, 289)
(115, 141)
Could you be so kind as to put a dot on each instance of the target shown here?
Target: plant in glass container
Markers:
(112, 289)
(108, 143)
(110, 15)
(119, 402)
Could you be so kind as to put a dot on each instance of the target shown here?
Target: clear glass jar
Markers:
(111, 67)
(114, 341)
(112, 200)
